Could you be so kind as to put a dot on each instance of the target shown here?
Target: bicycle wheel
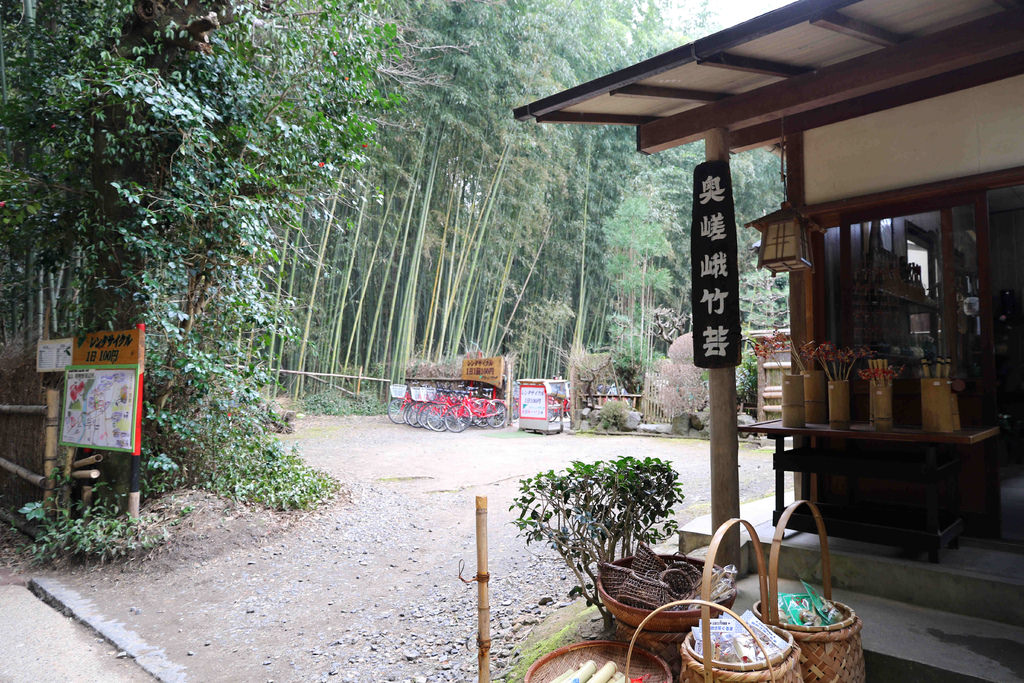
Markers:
(418, 416)
(396, 410)
(434, 417)
(496, 419)
(456, 419)
(408, 415)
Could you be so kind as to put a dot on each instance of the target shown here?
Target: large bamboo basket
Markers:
(644, 664)
(827, 653)
(783, 668)
(674, 621)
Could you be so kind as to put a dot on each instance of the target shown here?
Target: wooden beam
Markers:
(585, 117)
(724, 447)
(725, 60)
(954, 81)
(660, 92)
(982, 40)
(829, 213)
(855, 28)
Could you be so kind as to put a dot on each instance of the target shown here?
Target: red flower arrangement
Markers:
(838, 362)
(775, 343)
(880, 372)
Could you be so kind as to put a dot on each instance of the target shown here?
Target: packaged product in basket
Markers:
(829, 614)
(733, 644)
(797, 609)
(723, 581)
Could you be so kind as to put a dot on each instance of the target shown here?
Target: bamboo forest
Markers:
(297, 190)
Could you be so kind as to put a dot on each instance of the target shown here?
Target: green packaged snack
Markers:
(798, 610)
(825, 609)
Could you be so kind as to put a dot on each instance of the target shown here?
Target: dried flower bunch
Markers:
(838, 362)
(880, 373)
(777, 342)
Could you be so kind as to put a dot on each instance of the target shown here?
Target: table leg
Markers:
(932, 502)
(780, 477)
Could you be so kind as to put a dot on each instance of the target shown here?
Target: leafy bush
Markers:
(269, 475)
(100, 533)
(613, 414)
(593, 512)
(680, 385)
(332, 402)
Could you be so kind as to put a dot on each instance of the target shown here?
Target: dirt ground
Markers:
(368, 585)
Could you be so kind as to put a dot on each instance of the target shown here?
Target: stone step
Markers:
(980, 580)
(910, 644)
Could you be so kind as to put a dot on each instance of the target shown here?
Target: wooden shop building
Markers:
(902, 125)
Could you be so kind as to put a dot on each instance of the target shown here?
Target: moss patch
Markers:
(559, 629)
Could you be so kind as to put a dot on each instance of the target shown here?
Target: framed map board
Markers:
(99, 409)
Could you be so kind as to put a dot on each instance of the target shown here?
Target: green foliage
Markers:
(333, 402)
(144, 183)
(746, 379)
(270, 476)
(613, 414)
(594, 512)
(101, 533)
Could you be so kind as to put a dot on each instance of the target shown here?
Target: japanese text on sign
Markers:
(715, 295)
(107, 348)
(487, 370)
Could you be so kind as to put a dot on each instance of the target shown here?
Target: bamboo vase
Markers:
(792, 401)
(881, 407)
(839, 404)
(815, 397)
(936, 405)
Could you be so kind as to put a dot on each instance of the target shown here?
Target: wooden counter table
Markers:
(904, 454)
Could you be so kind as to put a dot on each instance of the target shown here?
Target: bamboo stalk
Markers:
(336, 344)
(483, 593)
(86, 474)
(22, 410)
(50, 454)
(85, 462)
(86, 496)
(316, 281)
(28, 475)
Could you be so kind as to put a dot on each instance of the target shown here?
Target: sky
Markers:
(733, 12)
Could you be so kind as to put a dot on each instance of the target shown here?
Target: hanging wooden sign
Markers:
(122, 347)
(488, 370)
(715, 294)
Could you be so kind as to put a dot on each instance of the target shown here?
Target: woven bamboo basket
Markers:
(677, 620)
(554, 664)
(782, 668)
(827, 653)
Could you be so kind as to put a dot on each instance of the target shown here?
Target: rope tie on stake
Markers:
(481, 577)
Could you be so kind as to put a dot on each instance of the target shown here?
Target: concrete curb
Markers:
(153, 660)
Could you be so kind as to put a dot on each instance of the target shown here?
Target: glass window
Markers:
(909, 289)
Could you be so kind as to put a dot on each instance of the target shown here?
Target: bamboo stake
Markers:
(85, 462)
(50, 454)
(86, 496)
(86, 474)
(22, 410)
(483, 594)
(36, 479)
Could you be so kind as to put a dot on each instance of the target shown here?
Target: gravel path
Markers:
(368, 589)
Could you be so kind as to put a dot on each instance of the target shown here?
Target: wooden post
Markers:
(359, 380)
(725, 481)
(483, 593)
(50, 454)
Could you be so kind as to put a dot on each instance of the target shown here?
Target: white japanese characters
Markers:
(714, 299)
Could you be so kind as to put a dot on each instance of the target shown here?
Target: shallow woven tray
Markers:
(669, 621)
(643, 663)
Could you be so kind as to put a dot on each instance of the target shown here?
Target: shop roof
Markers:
(805, 65)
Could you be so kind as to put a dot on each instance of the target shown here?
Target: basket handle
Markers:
(770, 608)
(705, 607)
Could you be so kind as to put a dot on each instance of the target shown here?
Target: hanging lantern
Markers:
(785, 245)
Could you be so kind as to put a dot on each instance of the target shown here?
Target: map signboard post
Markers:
(103, 397)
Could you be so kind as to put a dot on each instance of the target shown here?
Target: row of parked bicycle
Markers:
(444, 409)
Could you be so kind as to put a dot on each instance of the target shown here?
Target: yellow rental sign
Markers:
(489, 370)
